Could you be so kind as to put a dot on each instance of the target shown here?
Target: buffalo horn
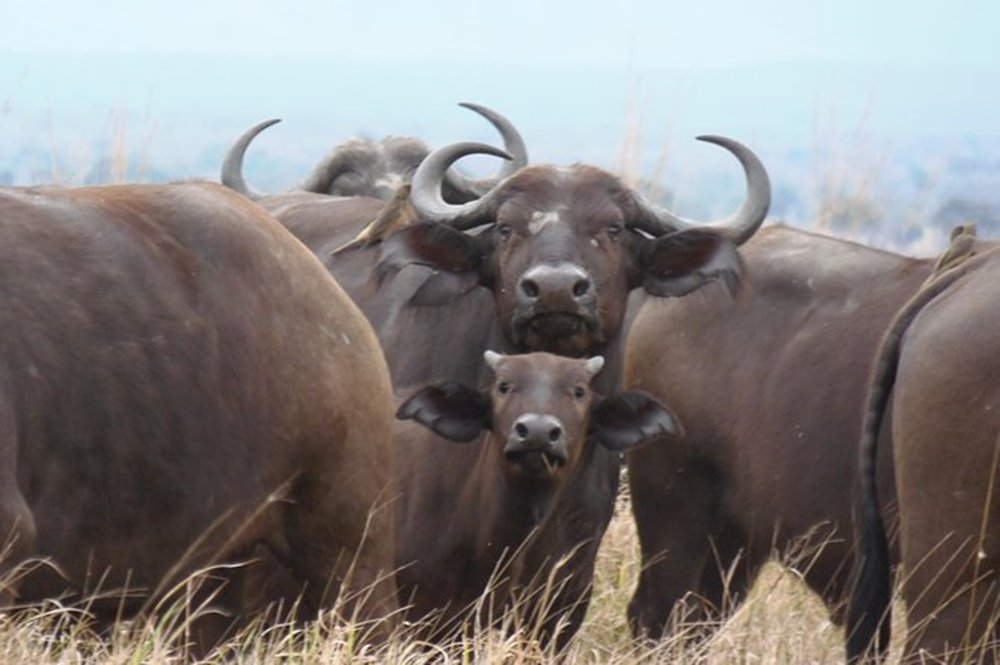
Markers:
(426, 195)
(512, 143)
(742, 224)
(232, 167)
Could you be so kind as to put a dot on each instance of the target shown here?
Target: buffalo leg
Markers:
(344, 556)
(950, 566)
(675, 517)
(728, 573)
(17, 524)
(948, 485)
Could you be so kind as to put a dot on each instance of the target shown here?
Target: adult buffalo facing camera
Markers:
(545, 261)
(491, 513)
(181, 382)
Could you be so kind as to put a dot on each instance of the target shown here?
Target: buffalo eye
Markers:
(503, 387)
(504, 230)
(579, 392)
(615, 230)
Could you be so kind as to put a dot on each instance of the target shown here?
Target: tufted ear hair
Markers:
(679, 263)
(630, 419)
(450, 409)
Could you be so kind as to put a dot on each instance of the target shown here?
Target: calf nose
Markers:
(536, 432)
(565, 281)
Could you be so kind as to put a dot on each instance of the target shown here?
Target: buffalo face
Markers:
(540, 412)
(561, 248)
(559, 265)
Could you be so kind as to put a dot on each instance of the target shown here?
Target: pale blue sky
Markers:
(631, 33)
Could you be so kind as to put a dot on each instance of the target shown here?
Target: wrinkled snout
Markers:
(537, 442)
(555, 286)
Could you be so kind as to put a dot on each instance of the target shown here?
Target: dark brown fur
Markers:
(937, 377)
(770, 388)
(181, 381)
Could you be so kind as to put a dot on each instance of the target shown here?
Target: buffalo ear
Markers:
(457, 258)
(679, 263)
(631, 419)
(450, 409)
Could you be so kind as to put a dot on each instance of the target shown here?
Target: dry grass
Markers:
(120, 153)
(781, 622)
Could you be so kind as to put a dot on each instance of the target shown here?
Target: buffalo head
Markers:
(561, 247)
(540, 411)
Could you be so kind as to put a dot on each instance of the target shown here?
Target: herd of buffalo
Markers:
(394, 388)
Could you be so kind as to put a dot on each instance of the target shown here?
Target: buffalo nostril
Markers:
(529, 287)
(555, 434)
(581, 288)
(521, 430)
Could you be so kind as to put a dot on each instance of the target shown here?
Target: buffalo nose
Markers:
(535, 431)
(564, 280)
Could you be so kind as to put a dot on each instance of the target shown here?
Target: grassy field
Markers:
(782, 622)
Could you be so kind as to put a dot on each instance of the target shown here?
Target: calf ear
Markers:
(458, 256)
(450, 409)
(630, 419)
(679, 263)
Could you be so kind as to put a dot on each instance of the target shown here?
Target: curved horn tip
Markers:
(595, 365)
(483, 149)
(484, 111)
(758, 179)
(492, 359)
(712, 138)
(718, 139)
(513, 142)
(231, 174)
(259, 127)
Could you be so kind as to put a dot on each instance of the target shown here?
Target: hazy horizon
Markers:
(893, 102)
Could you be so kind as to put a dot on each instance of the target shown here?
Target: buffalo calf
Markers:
(494, 510)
